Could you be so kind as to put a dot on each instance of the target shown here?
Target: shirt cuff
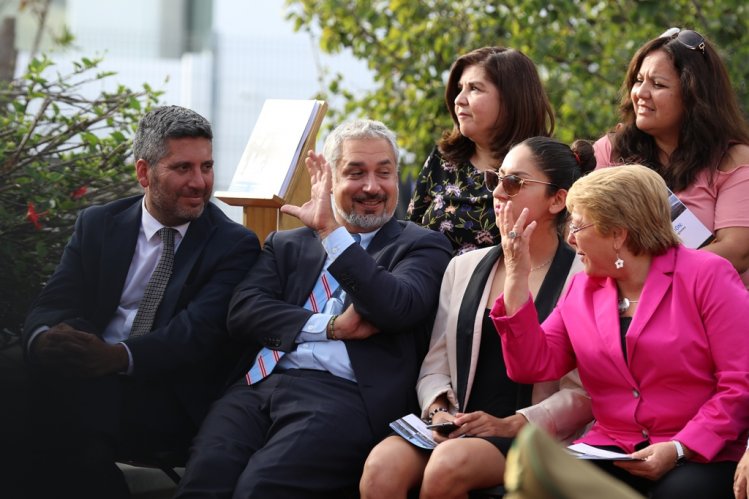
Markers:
(129, 359)
(315, 328)
(337, 242)
(33, 337)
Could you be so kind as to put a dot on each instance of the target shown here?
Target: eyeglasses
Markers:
(690, 39)
(510, 183)
(574, 229)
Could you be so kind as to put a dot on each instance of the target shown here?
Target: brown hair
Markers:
(712, 117)
(631, 197)
(525, 110)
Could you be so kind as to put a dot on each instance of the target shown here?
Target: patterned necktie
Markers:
(156, 285)
(324, 289)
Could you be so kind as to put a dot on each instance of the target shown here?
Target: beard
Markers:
(368, 222)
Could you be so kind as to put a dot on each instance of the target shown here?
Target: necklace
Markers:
(624, 304)
(547, 262)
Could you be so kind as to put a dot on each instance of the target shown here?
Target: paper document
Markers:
(686, 225)
(413, 429)
(585, 451)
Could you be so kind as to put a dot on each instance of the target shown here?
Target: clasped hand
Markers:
(77, 354)
(350, 325)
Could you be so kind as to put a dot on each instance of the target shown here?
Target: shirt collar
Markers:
(151, 226)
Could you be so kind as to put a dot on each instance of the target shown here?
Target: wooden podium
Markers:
(271, 172)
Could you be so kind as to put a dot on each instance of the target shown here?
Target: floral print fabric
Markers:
(452, 199)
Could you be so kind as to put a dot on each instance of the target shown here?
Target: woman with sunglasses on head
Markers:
(656, 330)
(496, 99)
(681, 118)
(463, 378)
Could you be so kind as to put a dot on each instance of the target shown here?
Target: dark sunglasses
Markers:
(510, 183)
(690, 39)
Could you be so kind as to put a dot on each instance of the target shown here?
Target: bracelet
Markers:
(330, 329)
(431, 414)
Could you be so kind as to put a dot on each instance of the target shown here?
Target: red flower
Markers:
(79, 192)
(33, 216)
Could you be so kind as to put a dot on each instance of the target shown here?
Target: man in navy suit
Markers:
(103, 392)
(347, 364)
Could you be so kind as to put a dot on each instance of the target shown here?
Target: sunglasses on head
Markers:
(690, 39)
(510, 183)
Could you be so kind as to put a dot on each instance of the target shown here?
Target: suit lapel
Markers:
(387, 233)
(607, 323)
(312, 257)
(197, 236)
(120, 239)
(658, 283)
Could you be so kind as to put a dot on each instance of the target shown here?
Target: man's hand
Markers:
(77, 354)
(741, 478)
(350, 326)
(658, 458)
(317, 213)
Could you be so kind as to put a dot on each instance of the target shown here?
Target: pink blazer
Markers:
(687, 372)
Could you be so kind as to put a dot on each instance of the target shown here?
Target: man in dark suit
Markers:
(346, 323)
(125, 365)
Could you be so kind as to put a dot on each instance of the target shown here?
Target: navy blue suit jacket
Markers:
(394, 284)
(189, 346)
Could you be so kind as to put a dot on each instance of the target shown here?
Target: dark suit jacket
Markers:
(189, 345)
(394, 284)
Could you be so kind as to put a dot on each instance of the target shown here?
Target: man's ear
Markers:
(141, 171)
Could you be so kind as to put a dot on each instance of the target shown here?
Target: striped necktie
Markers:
(267, 359)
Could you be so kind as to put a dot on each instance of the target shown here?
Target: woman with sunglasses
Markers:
(496, 99)
(656, 330)
(680, 117)
(463, 378)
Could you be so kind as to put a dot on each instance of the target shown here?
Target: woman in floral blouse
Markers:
(496, 99)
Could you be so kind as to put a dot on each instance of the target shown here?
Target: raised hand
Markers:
(317, 213)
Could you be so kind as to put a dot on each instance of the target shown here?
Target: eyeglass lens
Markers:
(510, 183)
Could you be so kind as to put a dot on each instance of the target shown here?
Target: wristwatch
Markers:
(680, 457)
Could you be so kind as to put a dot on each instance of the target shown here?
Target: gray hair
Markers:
(354, 130)
(167, 122)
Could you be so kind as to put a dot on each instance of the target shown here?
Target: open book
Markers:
(687, 226)
(284, 131)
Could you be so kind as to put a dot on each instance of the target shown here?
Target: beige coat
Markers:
(561, 412)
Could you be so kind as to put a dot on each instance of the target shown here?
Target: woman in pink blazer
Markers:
(656, 330)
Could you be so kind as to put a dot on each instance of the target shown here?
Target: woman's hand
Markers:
(741, 478)
(653, 461)
(481, 424)
(516, 255)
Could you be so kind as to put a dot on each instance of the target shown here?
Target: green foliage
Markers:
(60, 150)
(582, 48)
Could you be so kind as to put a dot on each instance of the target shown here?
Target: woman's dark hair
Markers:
(525, 110)
(712, 117)
(561, 164)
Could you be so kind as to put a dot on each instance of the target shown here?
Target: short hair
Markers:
(631, 197)
(712, 116)
(561, 164)
(525, 110)
(163, 123)
(355, 130)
